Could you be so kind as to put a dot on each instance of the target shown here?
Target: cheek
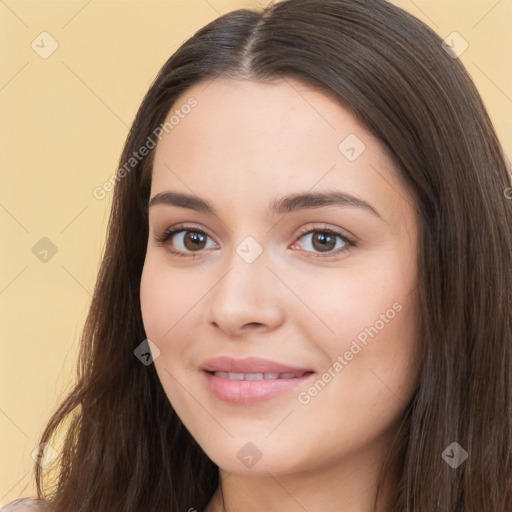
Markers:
(163, 303)
(346, 302)
(372, 315)
(385, 324)
(154, 302)
(171, 307)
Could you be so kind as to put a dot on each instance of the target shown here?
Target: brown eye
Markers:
(183, 241)
(193, 240)
(323, 241)
(326, 240)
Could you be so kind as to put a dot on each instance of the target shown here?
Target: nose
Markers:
(247, 297)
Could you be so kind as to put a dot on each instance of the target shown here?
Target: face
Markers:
(321, 289)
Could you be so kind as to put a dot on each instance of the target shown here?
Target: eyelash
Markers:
(167, 235)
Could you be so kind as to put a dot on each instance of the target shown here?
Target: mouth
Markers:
(248, 389)
(258, 376)
(252, 367)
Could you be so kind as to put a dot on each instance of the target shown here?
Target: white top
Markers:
(23, 505)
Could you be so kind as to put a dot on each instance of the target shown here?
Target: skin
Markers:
(245, 144)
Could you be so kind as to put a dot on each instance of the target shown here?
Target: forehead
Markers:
(252, 139)
(260, 117)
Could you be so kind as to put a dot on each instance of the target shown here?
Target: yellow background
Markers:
(64, 120)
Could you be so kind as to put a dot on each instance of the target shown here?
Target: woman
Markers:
(342, 338)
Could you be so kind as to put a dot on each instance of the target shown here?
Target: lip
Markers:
(249, 365)
(247, 392)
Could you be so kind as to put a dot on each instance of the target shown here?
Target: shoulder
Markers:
(23, 505)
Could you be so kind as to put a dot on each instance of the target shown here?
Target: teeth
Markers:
(253, 376)
(258, 376)
(288, 375)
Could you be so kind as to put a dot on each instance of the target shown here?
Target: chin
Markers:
(253, 458)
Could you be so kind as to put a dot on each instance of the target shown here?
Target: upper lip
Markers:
(249, 365)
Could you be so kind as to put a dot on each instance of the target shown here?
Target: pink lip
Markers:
(249, 365)
(246, 392)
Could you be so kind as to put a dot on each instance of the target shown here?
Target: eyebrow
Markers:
(286, 204)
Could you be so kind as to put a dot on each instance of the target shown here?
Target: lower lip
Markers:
(246, 392)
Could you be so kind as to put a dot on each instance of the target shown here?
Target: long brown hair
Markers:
(125, 448)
